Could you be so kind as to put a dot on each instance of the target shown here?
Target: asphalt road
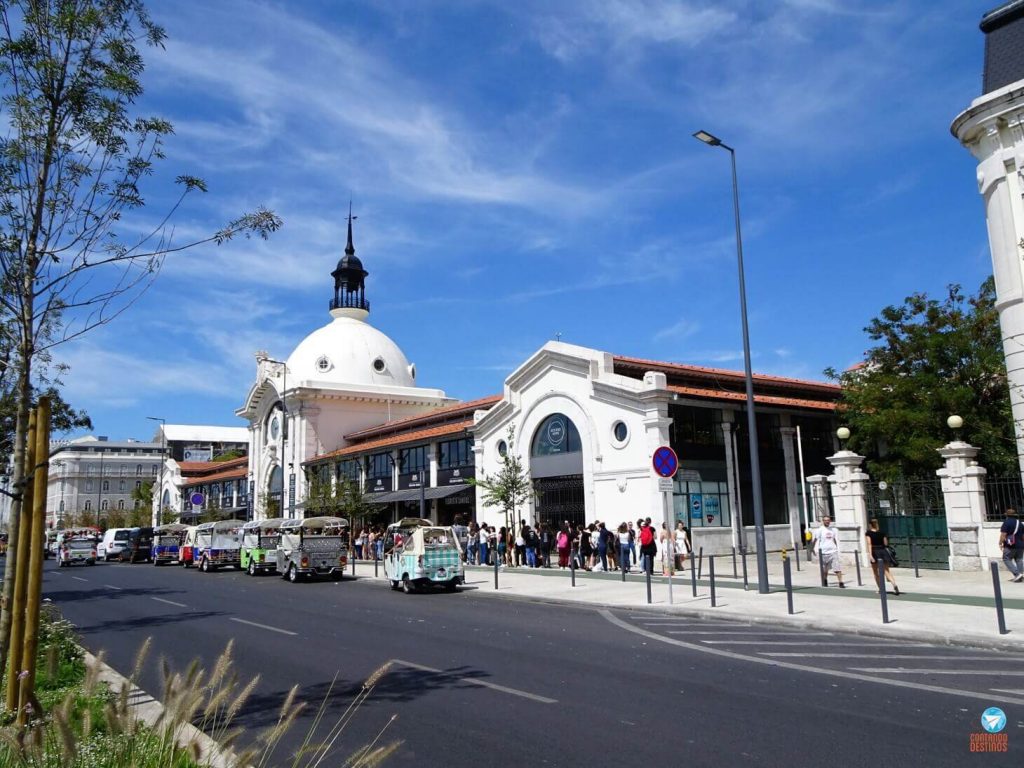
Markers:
(479, 681)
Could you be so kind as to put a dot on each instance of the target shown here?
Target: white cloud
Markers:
(680, 330)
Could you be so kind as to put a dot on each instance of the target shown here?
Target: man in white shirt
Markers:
(826, 541)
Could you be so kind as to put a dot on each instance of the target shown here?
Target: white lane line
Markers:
(735, 656)
(111, 586)
(897, 656)
(737, 632)
(265, 626)
(1004, 690)
(946, 599)
(786, 642)
(169, 602)
(78, 578)
(932, 671)
(476, 681)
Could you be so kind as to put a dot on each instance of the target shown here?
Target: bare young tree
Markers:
(72, 168)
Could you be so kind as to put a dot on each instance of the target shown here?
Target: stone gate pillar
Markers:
(849, 504)
(963, 489)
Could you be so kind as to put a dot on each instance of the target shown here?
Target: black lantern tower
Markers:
(349, 276)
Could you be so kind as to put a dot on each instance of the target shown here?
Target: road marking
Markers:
(744, 632)
(78, 578)
(786, 642)
(931, 671)
(613, 619)
(947, 599)
(169, 602)
(477, 681)
(265, 626)
(897, 656)
(111, 586)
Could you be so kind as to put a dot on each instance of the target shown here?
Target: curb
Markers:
(146, 709)
(999, 643)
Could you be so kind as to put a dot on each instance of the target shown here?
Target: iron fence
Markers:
(906, 497)
(1002, 493)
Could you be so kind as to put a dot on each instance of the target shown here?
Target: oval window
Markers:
(379, 365)
(502, 448)
(621, 431)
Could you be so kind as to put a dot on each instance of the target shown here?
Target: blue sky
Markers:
(526, 169)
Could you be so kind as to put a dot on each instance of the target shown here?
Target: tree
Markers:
(933, 359)
(73, 163)
(510, 487)
(341, 498)
(143, 495)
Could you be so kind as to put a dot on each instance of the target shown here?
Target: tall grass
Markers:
(87, 725)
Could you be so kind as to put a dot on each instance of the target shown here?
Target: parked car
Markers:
(167, 540)
(316, 546)
(217, 545)
(260, 539)
(76, 552)
(419, 554)
(139, 547)
(113, 541)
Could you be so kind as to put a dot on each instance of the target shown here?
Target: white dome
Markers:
(349, 351)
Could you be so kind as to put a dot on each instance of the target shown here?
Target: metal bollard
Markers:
(496, 559)
(788, 578)
(735, 573)
(648, 566)
(353, 564)
(880, 570)
(998, 590)
(746, 578)
(572, 569)
(622, 568)
(913, 556)
(856, 556)
(796, 556)
(711, 575)
(700, 562)
(693, 579)
(821, 567)
(375, 567)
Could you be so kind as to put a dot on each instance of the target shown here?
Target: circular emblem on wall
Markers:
(323, 364)
(556, 432)
(275, 427)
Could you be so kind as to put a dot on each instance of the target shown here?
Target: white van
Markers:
(113, 541)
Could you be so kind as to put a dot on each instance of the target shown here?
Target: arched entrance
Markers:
(275, 491)
(556, 466)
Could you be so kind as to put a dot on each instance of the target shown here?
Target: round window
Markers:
(379, 365)
(275, 428)
(323, 364)
(502, 448)
(620, 431)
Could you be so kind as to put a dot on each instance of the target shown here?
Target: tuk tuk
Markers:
(187, 548)
(216, 545)
(73, 551)
(138, 547)
(167, 542)
(315, 546)
(418, 553)
(260, 539)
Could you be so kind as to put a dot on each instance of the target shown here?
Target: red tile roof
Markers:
(196, 468)
(445, 413)
(723, 394)
(405, 438)
(236, 473)
(704, 372)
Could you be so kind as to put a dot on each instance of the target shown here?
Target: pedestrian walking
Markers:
(648, 544)
(632, 540)
(1011, 539)
(826, 542)
(878, 546)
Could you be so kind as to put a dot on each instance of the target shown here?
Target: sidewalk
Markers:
(939, 607)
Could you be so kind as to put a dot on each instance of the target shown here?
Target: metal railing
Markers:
(1002, 493)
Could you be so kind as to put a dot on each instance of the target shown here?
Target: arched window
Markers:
(121, 486)
(104, 505)
(120, 503)
(106, 485)
(556, 435)
(138, 469)
(88, 506)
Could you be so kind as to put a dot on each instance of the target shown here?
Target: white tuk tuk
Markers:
(260, 539)
(167, 541)
(418, 553)
(216, 545)
(314, 546)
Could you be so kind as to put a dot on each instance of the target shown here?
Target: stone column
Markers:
(789, 460)
(849, 505)
(963, 488)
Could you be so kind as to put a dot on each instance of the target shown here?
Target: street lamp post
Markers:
(755, 461)
(163, 459)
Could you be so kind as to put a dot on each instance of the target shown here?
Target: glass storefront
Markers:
(701, 504)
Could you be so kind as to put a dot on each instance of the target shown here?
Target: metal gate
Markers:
(560, 499)
(912, 510)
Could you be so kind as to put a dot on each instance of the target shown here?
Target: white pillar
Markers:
(992, 128)
(735, 516)
(789, 461)
(963, 487)
(849, 505)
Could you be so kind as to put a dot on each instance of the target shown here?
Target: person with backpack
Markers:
(1011, 539)
(648, 545)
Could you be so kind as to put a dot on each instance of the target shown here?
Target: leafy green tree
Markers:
(74, 160)
(341, 498)
(509, 489)
(234, 453)
(143, 495)
(931, 359)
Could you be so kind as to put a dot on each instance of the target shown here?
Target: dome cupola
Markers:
(349, 276)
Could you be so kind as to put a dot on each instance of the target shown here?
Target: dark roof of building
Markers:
(447, 413)
(201, 470)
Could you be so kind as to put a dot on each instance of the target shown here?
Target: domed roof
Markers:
(349, 262)
(349, 351)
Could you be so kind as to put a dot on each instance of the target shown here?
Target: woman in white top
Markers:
(623, 541)
(683, 547)
(667, 550)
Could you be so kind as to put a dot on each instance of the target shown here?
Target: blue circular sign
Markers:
(197, 499)
(993, 719)
(665, 462)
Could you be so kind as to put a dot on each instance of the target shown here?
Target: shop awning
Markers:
(413, 494)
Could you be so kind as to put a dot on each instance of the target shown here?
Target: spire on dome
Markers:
(349, 276)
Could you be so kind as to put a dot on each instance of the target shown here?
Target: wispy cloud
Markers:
(680, 330)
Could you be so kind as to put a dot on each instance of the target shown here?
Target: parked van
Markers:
(139, 547)
(217, 545)
(187, 552)
(259, 545)
(418, 554)
(316, 546)
(113, 541)
(167, 542)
